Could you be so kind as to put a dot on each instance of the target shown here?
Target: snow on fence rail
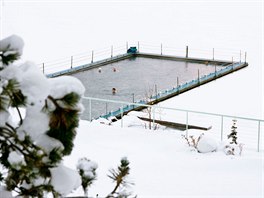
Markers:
(144, 47)
(250, 130)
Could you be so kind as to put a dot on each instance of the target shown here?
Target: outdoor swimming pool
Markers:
(135, 79)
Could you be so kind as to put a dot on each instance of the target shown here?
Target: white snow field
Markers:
(164, 166)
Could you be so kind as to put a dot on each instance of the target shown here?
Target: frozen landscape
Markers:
(162, 164)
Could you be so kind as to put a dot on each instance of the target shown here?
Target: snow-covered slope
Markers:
(162, 165)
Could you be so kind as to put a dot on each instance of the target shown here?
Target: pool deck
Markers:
(130, 55)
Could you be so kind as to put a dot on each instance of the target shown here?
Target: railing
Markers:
(109, 52)
(250, 131)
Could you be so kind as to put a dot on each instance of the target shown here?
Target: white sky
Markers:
(56, 29)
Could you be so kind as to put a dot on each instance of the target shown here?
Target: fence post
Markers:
(222, 128)
(215, 69)
(121, 111)
(111, 51)
(156, 91)
(258, 136)
(90, 110)
(232, 63)
(153, 117)
(161, 49)
(71, 61)
(106, 108)
(245, 57)
(138, 46)
(187, 52)
(43, 68)
(92, 56)
(213, 53)
(186, 134)
(240, 56)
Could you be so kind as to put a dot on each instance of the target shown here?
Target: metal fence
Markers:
(250, 130)
(93, 56)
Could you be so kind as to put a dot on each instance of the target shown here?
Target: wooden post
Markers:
(92, 56)
(43, 68)
(213, 53)
(161, 49)
(71, 61)
(187, 52)
(111, 51)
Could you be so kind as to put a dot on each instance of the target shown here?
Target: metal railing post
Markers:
(92, 56)
(111, 51)
(187, 120)
(71, 61)
(222, 127)
(240, 56)
(153, 117)
(43, 68)
(122, 114)
(161, 49)
(198, 76)
(90, 109)
(187, 52)
(106, 108)
(138, 46)
(258, 136)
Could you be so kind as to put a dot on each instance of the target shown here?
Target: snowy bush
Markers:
(32, 148)
(87, 171)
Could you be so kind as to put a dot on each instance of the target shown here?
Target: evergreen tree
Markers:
(87, 171)
(36, 144)
(233, 134)
(119, 176)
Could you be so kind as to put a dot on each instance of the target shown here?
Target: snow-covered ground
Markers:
(162, 165)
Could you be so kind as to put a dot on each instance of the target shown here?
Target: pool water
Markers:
(135, 79)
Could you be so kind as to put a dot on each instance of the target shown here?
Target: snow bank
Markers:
(207, 144)
(64, 179)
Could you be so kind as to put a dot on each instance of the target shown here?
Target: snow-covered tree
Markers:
(233, 134)
(87, 171)
(38, 121)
